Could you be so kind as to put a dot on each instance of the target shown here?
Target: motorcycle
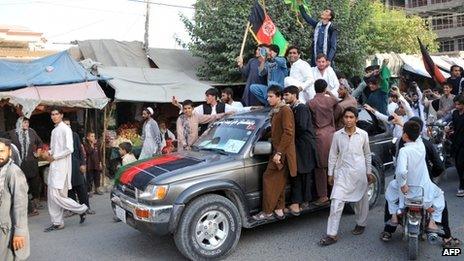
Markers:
(415, 219)
(438, 136)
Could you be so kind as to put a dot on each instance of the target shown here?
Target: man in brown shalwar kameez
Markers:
(323, 107)
(283, 159)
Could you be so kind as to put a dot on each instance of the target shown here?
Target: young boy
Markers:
(94, 162)
(125, 150)
(411, 170)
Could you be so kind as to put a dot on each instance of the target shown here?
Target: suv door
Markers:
(254, 169)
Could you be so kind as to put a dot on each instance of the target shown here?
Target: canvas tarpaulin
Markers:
(59, 68)
(152, 85)
(115, 53)
(176, 60)
(81, 95)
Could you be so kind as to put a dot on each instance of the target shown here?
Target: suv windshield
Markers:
(227, 135)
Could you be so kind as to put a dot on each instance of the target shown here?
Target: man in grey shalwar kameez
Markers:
(14, 232)
(151, 135)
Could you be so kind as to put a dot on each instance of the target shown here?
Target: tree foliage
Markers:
(217, 29)
(393, 30)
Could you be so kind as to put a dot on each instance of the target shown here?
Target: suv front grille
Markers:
(127, 190)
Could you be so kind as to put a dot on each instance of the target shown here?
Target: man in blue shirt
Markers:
(272, 66)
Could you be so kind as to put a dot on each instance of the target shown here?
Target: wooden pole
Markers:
(245, 34)
(253, 34)
(105, 125)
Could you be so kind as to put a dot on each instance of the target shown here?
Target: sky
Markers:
(63, 21)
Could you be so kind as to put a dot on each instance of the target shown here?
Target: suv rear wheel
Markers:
(209, 228)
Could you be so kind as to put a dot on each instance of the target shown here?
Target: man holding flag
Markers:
(325, 34)
(270, 65)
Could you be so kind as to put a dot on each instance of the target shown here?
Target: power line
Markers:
(163, 4)
(76, 29)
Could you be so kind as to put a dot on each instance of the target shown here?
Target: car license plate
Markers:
(121, 213)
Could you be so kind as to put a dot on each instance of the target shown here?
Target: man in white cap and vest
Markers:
(151, 135)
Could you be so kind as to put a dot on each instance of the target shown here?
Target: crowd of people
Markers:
(315, 138)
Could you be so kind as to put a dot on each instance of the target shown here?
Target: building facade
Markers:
(445, 17)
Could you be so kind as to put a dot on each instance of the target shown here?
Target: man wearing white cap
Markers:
(151, 135)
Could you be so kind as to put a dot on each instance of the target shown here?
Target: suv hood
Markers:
(140, 173)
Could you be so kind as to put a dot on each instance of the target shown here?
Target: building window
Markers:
(447, 46)
(460, 21)
(440, 1)
(442, 22)
(460, 44)
(417, 3)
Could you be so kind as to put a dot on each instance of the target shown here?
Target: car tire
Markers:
(215, 219)
(375, 191)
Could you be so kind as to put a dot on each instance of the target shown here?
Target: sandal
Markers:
(385, 236)
(262, 216)
(53, 228)
(453, 242)
(279, 217)
(327, 241)
(33, 213)
(321, 203)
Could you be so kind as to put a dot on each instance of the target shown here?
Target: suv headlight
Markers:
(154, 192)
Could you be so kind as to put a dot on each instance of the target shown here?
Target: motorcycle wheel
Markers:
(413, 247)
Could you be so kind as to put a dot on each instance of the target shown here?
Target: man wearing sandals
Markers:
(282, 161)
(349, 173)
(392, 196)
(305, 143)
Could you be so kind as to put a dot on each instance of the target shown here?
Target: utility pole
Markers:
(147, 27)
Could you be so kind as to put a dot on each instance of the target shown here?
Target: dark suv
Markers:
(205, 196)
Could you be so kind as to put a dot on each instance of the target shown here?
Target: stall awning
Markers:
(58, 68)
(416, 65)
(81, 95)
(152, 85)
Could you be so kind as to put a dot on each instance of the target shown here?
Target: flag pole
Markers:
(253, 34)
(245, 34)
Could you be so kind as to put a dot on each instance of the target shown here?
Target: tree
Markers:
(393, 30)
(217, 29)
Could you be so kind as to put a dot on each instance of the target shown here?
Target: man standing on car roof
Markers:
(283, 159)
(305, 143)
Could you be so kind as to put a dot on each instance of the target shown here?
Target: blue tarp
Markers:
(59, 68)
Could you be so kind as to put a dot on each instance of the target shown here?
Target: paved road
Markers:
(293, 239)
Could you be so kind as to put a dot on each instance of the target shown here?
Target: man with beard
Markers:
(324, 71)
(344, 93)
(305, 144)
(151, 135)
(283, 159)
(14, 234)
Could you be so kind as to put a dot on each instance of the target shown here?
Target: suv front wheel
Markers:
(209, 228)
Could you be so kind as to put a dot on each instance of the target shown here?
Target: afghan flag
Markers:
(265, 30)
(430, 66)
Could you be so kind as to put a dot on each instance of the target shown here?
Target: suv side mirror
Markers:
(262, 148)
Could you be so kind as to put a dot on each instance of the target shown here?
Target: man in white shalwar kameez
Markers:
(349, 172)
(300, 75)
(411, 170)
(59, 176)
